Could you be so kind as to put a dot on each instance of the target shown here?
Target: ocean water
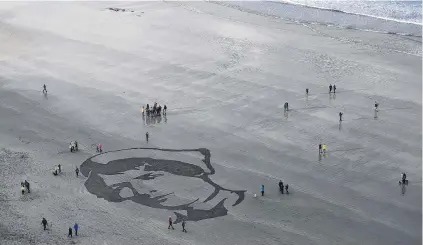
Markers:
(392, 17)
(401, 11)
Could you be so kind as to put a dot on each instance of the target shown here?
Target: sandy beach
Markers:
(224, 75)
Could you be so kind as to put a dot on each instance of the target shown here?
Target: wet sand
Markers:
(224, 75)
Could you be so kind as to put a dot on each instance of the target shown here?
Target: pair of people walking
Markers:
(171, 224)
(76, 227)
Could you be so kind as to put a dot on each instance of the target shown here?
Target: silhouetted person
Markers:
(146, 137)
(170, 223)
(330, 88)
(44, 88)
(183, 226)
(27, 186)
(340, 116)
(320, 148)
(306, 91)
(262, 190)
(44, 222)
(286, 189)
(164, 109)
(76, 227)
(70, 232)
(376, 105)
(281, 186)
(60, 168)
(334, 88)
(77, 172)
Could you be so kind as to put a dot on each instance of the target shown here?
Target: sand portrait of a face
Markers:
(176, 180)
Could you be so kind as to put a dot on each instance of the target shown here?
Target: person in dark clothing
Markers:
(183, 226)
(334, 88)
(44, 222)
(77, 172)
(281, 186)
(76, 145)
(376, 105)
(164, 109)
(320, 148)
(306, 91)
(76, 227)
(330, 88)
(286, 189)
(170, 223)
(70, 232)
(44, 89)
(146, 137)
(60, 168)
(262, 190)
(285, 106)
(27, 186)
(340, 116)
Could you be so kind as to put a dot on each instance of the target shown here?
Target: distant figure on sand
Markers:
(334, 88)
(320, 148)
(70, 232)
(76, 227)
(285, 106)
(26, 183)
(340, 116)
(324, 148)
(99, 148)
(164, 109)
(77, 172)
(183, 226)
(146, 137)
(170, 223)
(281, 186)
(307, 91)
(286, 189)
(262, 190)
(44, 223)
(330, 88)
(142, 110)
(44, 89)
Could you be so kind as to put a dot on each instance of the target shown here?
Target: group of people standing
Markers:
(155, 110)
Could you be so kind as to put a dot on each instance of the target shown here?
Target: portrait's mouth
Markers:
(160, 178)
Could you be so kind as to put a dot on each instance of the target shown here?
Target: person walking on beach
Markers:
(281, 186)
(22, 189)
(307, 91)
(164, 109)
(76, 227)
(262, 190)
(340, 116)
(334, 88)
(324, 148)
(27, 186)
(183, 226)
(170, 223)
(320, 148)
(44, 89)
(286, 189)
(77, 172)
(70, 232)
(146, 137)
(60, 168)
(330, 88)
(142, 110)
(44, 223)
